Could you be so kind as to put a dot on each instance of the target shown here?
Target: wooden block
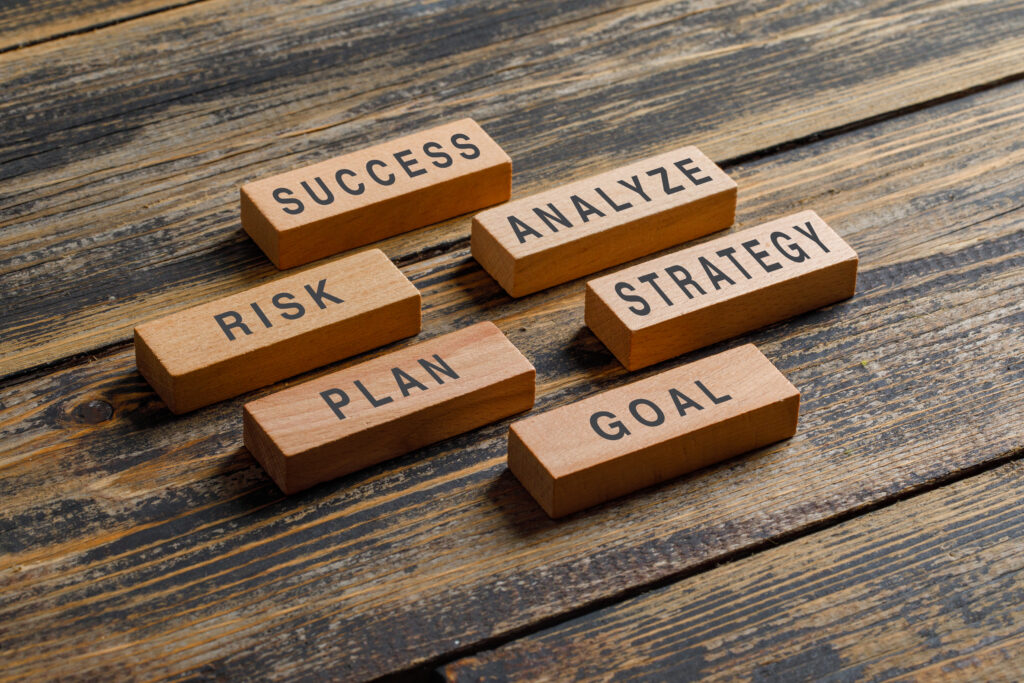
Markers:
(591, 224)
(297, 323)
(719, 289)
(680, 420)
(353, 418)
(377, 192)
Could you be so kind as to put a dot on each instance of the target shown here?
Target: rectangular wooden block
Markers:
(296, 323)
(591, 224)
(353, 418)
(377, 192)
(624, 439)
(719, 289)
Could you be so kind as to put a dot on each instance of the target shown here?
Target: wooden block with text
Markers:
(362, 415)
(364, 196)
(680, 302)
(247, 340)
(625, 439)
(588, 225)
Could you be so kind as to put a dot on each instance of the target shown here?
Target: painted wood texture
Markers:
(704, 294)
(138, 543)
(683, 418)
(573, 230)
(291, 325)
(928, 589)
(390, 405)
(114, 169)
(366, 195)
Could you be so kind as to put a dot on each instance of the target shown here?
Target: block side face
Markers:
(259, 228)
(531, 473)
(606, 326)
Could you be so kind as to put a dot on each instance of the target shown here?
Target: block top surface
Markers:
(480, 355)
(405, 165)
(344, 288)
(721, 269)
(588, 203)
(566, 440)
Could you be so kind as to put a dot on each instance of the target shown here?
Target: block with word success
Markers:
(362, 415)
(293, 324)
(377, 192)
(719, 289)
(624, 439)
(588, 225)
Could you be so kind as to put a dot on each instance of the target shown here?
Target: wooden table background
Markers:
(885, 540)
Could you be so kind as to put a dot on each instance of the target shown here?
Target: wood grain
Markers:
(24, 22)
(119, 194)
(136, 543)
(928, 589)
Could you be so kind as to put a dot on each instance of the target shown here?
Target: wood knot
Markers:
(93, 411)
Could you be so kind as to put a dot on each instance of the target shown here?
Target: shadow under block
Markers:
(598, 222)
(701, 295)
(293, 324)
(393, 404)
(377, 192)
(678, 421)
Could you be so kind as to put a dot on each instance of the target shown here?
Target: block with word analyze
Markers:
(588, 225)
(226, 347)
(393, 404)
(377, 192)
(678, 421)
(719, 289)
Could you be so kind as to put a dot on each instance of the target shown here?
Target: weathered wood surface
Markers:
(118, 185)
(930, 588)
(148, 544)
(24, 22)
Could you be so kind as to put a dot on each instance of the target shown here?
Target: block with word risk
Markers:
(226, 347)
(675, 422)
(377, 192)
(588, 225)
(719, 289)
(347, 420)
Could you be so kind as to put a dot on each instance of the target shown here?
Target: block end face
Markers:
(531, 473)
(259, 228)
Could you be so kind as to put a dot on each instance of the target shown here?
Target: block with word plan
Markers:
(624, 439)
(361, 197)
(585, 226)
(697, 296)
(247, 340)
(362, 415)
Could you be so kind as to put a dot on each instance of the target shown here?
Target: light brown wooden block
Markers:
(377, 192)
(580, 228)
(388, 406)
(247, 340)
(680, 420)
(719, 289)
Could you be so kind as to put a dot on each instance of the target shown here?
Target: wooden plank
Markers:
(126, 164)
(930, 588)
(576, 229)
(704, 294)
(369, 194)
(25, 22)
(356, 417)
(137, 543)
(618, 441)
(258, 336)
